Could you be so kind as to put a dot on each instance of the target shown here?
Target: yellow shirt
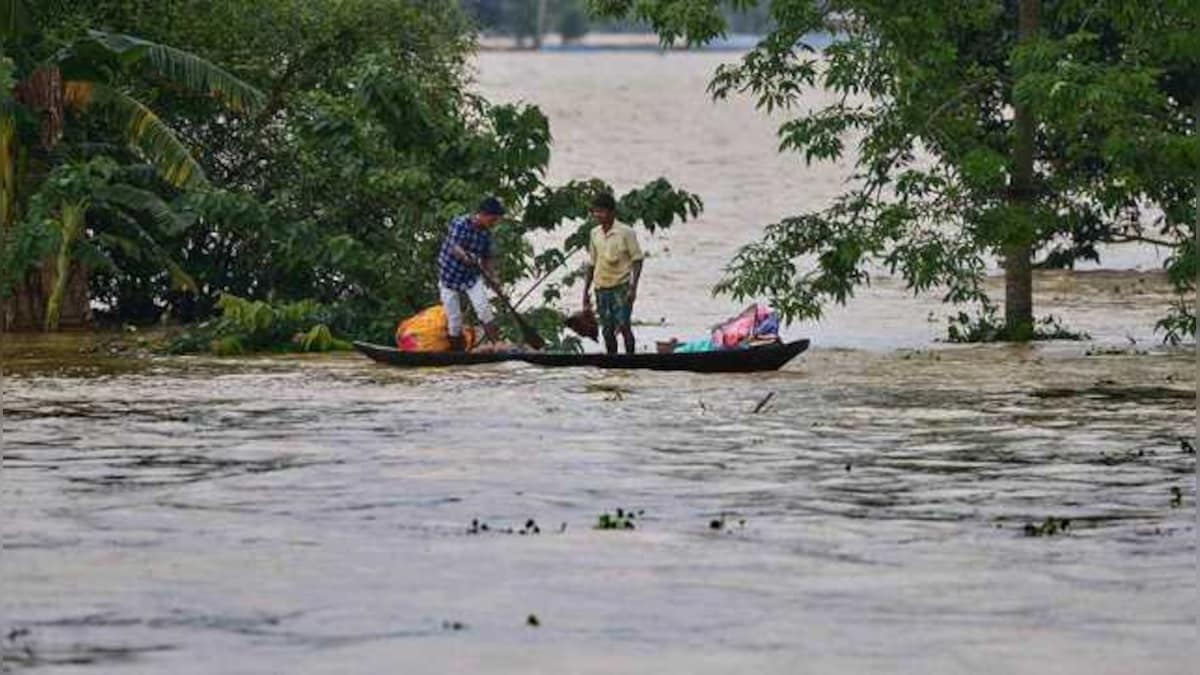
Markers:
(613, 254)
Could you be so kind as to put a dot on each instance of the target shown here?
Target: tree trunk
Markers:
(42, 92)
(25, 311)
(71, 222)
(21, 168)
(539, 24)
(1018, 252)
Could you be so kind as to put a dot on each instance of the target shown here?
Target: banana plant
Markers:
(96, 206)
(70, 221)
(85, 78)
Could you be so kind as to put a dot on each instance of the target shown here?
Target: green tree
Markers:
(80, 79)
(337, 190)
(1028, 131)
(572, 19)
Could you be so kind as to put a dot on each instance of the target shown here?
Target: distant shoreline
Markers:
(631, 42)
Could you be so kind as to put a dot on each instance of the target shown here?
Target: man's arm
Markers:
(588, 268)
(460, 253)
(587, 285)
(455, 237)
(636, 256)
(635, 275)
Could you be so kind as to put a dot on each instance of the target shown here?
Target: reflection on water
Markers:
(266, 514)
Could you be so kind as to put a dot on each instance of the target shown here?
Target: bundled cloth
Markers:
(428, 331)
(756, 324)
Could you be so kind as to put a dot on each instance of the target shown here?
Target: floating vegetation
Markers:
(530, 527)
(623, 520)
(722, 523)
(1186, 447)
(1176, 497)
(1049, 527)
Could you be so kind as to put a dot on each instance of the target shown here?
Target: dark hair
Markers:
(492, 207)
(605, 201)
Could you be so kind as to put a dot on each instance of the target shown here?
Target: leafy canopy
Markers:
(924, 96)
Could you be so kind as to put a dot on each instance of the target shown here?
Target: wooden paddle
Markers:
(530, 335)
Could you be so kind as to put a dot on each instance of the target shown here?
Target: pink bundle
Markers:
(758, 321)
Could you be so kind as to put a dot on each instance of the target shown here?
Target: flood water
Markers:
(894, 505)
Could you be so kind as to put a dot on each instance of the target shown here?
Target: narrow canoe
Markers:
(765, 357)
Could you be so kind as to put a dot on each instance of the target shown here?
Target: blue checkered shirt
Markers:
(452, 272)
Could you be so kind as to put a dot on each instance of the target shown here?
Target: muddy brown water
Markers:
(897, 505)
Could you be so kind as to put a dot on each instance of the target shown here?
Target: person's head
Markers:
(604, 208)
(490, 212)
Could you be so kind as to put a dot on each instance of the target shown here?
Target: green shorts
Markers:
(612, 306)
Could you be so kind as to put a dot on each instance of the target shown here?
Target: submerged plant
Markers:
(622, 520)
(254, 325)
(988, 326)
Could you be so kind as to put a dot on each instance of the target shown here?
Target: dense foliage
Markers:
(326, 176)
(1026, 131)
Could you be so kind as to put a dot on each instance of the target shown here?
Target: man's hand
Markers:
(490, 279)
(468, 258)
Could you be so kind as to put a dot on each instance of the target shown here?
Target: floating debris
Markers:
(533, 621)
(763, 403)
(1176, 497)
(1050, 527)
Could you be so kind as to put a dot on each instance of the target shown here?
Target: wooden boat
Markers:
(754, 359)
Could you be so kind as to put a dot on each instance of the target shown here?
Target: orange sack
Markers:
(426, 331)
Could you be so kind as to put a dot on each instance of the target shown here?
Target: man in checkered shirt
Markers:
(467, 253)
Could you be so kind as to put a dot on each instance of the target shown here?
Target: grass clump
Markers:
(623, 519)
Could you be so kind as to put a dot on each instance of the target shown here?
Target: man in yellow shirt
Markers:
(616, 266)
